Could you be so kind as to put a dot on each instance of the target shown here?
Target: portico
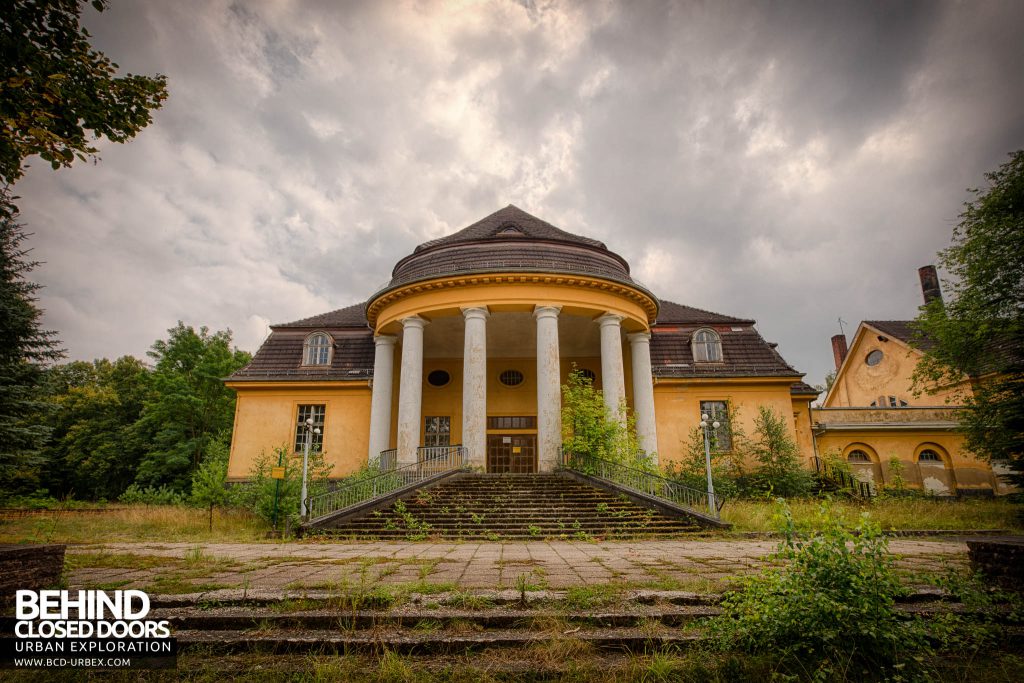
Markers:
(493, 373)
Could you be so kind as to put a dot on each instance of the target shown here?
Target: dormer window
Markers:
(707, 347)
(317, 349)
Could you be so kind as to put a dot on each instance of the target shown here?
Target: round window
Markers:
(928, 455)
(511, 378)
(874, 358)
(588, 375)
(438, 378)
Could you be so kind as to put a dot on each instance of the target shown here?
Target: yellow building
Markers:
(470, 342)
(872, 419)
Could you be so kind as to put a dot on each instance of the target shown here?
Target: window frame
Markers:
(706, 345)
(299, 442)
(864, 460)
(308, 347)
(721, 438)
(439, 434)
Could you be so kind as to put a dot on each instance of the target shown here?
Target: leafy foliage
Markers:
(189, 406)
(95, 449)
(209, 482)
(691, 469)
(24, 349)
(162, 495)
(978, 332)
(830, 606)
(56, 90)
(259, 492)
(589, 429)
(779, 470)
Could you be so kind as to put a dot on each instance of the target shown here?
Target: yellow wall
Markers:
(960, 469)
(857, 384)
(677, 406)
(510, 296)
(265, 418)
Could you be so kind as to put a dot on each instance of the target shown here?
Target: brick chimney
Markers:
(839, 349)
(929, 284)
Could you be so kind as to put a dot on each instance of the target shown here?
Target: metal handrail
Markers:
(843, 479)
(430, 463)
(387, 460)
(643, 482)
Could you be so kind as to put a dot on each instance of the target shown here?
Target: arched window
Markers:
(858, 455)
(317, 349)
(707, 347)
(928, 455)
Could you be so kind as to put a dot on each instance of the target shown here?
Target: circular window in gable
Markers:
(874, 358)
(511, 378)
(438, 378)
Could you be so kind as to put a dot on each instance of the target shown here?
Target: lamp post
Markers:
(712, 509)
(310, 431)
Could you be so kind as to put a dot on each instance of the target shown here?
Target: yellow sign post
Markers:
(277, 473)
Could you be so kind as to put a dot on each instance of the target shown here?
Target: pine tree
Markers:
(24, 349)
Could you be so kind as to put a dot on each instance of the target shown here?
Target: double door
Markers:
(512, 453)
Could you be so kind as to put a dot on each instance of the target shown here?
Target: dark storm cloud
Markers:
(788, 161)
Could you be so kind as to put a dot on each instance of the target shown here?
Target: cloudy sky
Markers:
(794, 162)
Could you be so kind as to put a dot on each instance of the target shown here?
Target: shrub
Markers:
(691, 469)
(149, 495)
(259, 493)
(589, 429)
(779, 471)
(829, 607)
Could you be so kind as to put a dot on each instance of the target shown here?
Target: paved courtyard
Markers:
(682, 564)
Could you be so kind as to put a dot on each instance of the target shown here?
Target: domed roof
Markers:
(510, 240)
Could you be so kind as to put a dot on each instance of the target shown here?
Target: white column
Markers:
(410, 390)
(474, 385)
(380, 400)
(643, 393)
(613, 385)
(549, 388)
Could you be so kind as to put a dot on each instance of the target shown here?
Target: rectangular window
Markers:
(316, 412)
(437, 430)
(718, 411)
(512, 422)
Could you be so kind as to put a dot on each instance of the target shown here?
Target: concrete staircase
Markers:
(511, 507)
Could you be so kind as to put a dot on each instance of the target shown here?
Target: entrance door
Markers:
(512, 453)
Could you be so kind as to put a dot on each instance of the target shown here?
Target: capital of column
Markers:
(639, 338)
(609, 319)
(540, 312)
(385, 340)
(414, 322)
(476, 312)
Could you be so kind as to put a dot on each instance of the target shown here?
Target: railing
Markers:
(387, 460)
(430, 463)
(843, 479)
(644, 482)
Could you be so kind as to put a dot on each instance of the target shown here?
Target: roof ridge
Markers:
(493, 224)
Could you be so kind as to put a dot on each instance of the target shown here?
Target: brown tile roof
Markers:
(511, 240)
(803, 389)
(745, 354)
(519, 224)
(350, 316)
(899, 329)
(280, 358)
(671, 312)
(503, 257)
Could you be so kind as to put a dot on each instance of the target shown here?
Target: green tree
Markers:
(24, 349)
(57, 93)
(977, 334)
(95, 448)
(209, 482)
(778, 471)
(589, 429)
(189, 406)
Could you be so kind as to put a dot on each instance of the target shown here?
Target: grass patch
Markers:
(135, 523)
(596, 595)
(892, 514)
